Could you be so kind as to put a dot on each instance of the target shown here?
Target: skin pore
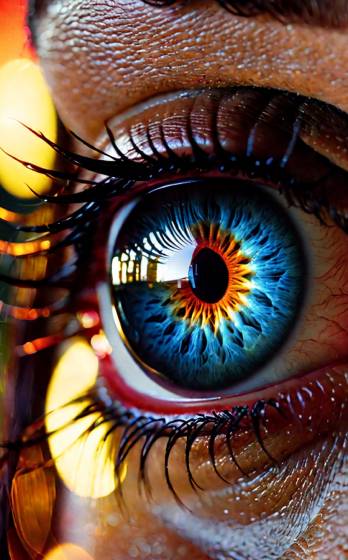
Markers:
(102, 58)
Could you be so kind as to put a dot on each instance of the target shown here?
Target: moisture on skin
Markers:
(101, 58)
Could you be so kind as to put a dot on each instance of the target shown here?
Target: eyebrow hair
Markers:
(323, 13)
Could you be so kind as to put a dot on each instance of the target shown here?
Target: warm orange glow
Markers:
(84, 460)
(38, 344)
(32, 498)
(27, 248)
(29, 314)
(68, 551)
(190, 308)
(24, 98)
(9, 216)
(14, 41)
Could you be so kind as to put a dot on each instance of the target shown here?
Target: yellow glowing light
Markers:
(83, 457)
(24, 97)
(68, 551)
(27, 248)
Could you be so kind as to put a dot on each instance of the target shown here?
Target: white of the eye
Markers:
(127, 368)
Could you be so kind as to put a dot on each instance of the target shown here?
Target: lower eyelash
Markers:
(150, 429)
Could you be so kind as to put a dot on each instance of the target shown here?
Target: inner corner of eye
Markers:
(206, 284)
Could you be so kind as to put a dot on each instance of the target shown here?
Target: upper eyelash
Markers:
(120, 174)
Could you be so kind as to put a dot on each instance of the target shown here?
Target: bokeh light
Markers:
(68, 551)
(83, 457)
(24, 98)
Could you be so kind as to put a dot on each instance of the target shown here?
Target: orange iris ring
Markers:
(189, 307)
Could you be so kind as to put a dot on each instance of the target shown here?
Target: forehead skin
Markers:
(103, 56)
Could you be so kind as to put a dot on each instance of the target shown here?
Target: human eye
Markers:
(200, 256)
(174, 311)
(157, 287)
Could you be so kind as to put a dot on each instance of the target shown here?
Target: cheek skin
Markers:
(102, 57)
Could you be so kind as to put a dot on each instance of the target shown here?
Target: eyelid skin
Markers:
(197, 44)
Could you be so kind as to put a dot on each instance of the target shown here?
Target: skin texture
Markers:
(100, 58)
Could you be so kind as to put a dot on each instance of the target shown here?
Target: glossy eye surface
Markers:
(207, 281)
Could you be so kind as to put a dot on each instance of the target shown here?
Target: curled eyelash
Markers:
(116, 176)
(146, 430)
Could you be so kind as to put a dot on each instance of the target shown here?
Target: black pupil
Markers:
(208, 276)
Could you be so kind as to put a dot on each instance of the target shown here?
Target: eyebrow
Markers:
(322, 13)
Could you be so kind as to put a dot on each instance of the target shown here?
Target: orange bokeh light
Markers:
(14, 37)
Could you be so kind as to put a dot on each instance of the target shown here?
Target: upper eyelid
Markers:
(116, 169)
(318, 120)
(331, 13)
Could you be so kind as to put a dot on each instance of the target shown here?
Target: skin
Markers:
(100, 59)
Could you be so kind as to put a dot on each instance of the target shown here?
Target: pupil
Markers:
(208, 276)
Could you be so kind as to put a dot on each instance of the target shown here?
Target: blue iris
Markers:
(208, 280)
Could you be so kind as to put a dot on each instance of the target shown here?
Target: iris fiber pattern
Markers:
(168, 254)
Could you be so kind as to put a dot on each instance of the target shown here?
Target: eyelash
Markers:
(121, 174)
(151, 429)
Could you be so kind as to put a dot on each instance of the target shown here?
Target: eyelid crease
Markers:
(323, 127)
(326, 13)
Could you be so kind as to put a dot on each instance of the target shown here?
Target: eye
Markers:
(218, 281)
(207, 282)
